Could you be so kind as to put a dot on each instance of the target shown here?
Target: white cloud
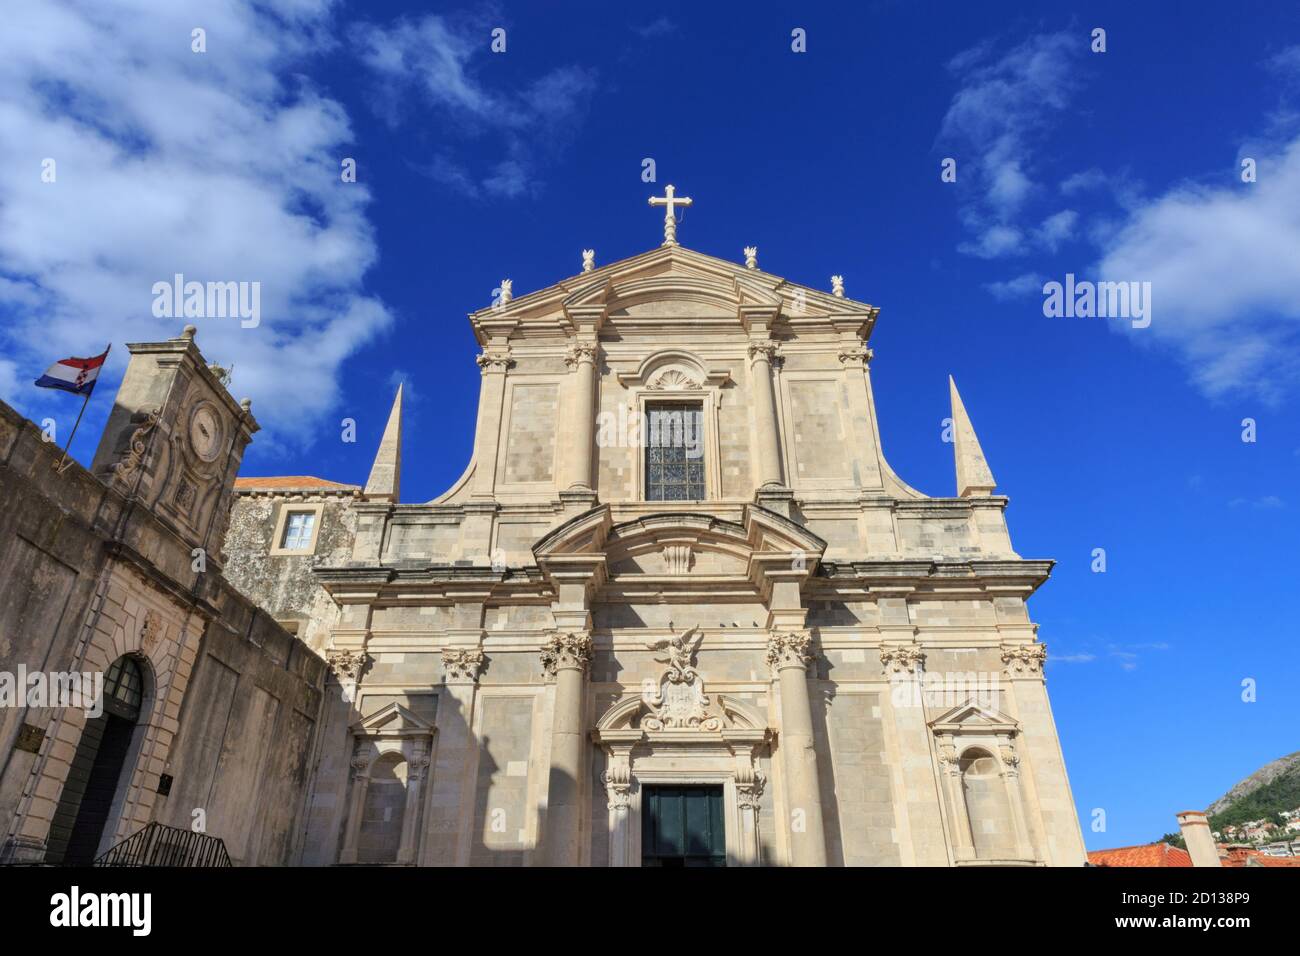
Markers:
(993, 123)
(434, 63)
(221, 165)
(1073, 658)
(1057, 228)
(1028, 283)
(1264, 503)
(1225, 288)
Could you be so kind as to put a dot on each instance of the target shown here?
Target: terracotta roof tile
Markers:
(1151, 854)
(291, 482)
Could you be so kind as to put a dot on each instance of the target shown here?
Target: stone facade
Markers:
(515, 664)
(120, 564)
(529, 668)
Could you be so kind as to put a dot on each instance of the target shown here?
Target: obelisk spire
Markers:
(973, 474)
(385, 479)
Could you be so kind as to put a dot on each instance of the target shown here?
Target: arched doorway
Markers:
(96, 770)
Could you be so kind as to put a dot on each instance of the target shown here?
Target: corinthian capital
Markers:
(494, 361)
(764, 350)
(902, 658)
(1024, 659)
(347, 665)
(461, 665)
(789, 649)
(855, 355)
(579, 351)
(566, 651)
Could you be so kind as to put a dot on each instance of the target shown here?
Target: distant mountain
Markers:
(1270, 789)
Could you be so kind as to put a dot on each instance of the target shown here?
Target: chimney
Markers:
(1199, 840)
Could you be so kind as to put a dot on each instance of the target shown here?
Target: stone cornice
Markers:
(1015, 572)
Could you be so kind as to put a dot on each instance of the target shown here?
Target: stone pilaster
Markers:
(761, 354)
(582, 358)
(493, 363)
(904, 666)
(447, 832)
(1040, 765)
(788, 654)
(565, 658)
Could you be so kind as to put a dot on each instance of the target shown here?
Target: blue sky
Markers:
(474, 166)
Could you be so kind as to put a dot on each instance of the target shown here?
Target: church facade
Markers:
(678, 610)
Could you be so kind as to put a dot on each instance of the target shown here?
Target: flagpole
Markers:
(60, 468)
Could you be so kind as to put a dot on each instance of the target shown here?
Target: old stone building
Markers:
(677, 610)
(206, 715)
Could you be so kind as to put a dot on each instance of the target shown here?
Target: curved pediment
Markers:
(687, 546)
(675, 543)
(672, 370)
(732, 714)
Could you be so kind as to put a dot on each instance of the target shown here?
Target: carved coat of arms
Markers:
(679, 702)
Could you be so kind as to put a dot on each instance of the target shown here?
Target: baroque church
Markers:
(677, 611)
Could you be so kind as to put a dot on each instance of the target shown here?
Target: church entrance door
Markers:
(682, 826)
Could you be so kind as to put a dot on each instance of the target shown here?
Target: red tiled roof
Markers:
(1236, 856)
(293, 482)
(1151, 854)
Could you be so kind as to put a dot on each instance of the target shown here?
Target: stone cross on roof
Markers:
(669, 201)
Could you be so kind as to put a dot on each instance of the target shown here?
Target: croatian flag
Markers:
(73, 374)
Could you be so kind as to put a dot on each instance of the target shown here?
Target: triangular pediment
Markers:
(666, 283)
(392, 720)
(972, 717)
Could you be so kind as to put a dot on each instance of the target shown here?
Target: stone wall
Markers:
(282, 584)
(88, 574)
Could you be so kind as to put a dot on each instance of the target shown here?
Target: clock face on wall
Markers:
(205, 433)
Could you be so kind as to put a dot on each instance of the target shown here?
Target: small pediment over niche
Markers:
(393, 720)
(971, 717)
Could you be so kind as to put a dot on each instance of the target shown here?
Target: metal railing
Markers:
(160, 845)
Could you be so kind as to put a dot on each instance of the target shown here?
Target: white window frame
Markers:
(282, 522)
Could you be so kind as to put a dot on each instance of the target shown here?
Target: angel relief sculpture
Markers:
(679, 701)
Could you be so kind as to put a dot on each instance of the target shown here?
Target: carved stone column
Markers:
(618, 787)
(788, 654)
(963, 846)
(1011, 778)
(749, 789)
(582, 356)
(360, 778)
(416, 768)
(565, 658)
(764, 404)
